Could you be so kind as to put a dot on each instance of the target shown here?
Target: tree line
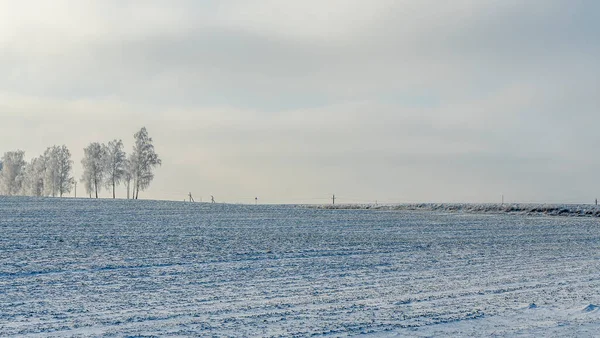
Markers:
(104, 165)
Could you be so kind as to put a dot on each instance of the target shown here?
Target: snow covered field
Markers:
(143, 268)
(571, 210)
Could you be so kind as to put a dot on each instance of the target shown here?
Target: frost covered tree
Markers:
(28, 178)
(93, 167)
(143, 161)
(58, 168)
(128, 175)
(87, 179)
(114, 164)
(11, 176)
(64, 168)
(50, 171)
(33, 181)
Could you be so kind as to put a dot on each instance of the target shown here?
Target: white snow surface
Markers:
(79, 267)
(573, 210)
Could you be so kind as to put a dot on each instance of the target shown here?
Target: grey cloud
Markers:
(505, 91)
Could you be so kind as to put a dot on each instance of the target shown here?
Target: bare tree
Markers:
(114, 164)
(93, 167)
(143, 160)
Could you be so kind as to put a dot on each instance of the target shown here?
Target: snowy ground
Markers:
(571, 210)
(141, 268)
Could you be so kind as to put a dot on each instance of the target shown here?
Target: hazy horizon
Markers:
(293, 101)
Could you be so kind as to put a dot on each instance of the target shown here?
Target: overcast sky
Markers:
(292, 101)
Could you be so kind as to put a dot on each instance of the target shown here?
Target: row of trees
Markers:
(51, 174)
(46, 175)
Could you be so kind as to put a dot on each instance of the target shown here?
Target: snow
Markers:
(80, 267)
(576, 210)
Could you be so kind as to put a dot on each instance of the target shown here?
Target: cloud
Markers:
(437, 100)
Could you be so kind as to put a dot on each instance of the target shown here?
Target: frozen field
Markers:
(141, 268)
(571, 210)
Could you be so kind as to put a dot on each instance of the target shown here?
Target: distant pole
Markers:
(596, 202)
(503, 199)
(333, 199)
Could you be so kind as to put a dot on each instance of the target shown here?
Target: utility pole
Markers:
(333, 199)
(502, 199)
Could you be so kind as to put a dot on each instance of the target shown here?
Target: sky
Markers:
(291, 101)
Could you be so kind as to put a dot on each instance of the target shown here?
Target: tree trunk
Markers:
(96, 186)
(113, 187)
